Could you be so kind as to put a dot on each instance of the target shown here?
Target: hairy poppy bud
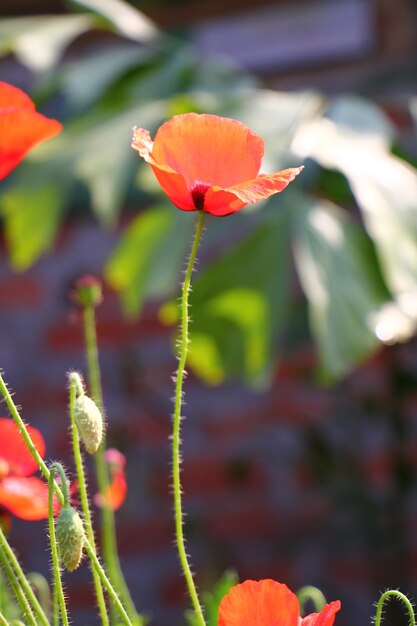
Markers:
(88, 291)
(70, 537)
(89, 422)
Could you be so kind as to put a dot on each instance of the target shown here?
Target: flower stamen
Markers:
(198, 192)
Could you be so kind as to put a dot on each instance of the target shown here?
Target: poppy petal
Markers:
(259, 603)
(26, 498)
(117, 490)
(208, 148)
(11, 96)
(223, 201)
(324, 618)
(172, 183)
(14, 451)
(20, 131)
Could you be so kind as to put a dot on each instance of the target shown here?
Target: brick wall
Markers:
(299, 483)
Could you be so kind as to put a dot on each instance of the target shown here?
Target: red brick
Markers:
(233, 426)
(111, 331)
(250, 520)
(208, 476)
(20, 291)
(80, 595)
(151, 429)
(301, 363)
(346, 569)
(144, 535)
(295, 403)
(174, 591)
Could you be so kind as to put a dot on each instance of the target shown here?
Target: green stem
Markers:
(394, 593)
(84, 502)
(55, 607)
(176, 435)
(3, 621)
(12, 577)
(311, 594)
(56, 467)
(45, 471)
(108, 534)
(107, 585)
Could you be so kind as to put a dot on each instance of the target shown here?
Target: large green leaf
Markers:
(338, 272)
(125, 18)
(100, 155)
(147, 260)
(32, 214)
(39, 41)
(385, 188)
(238, 307)
(86, 80)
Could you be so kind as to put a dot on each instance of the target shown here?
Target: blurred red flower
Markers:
(22, 494)
(21, 127)
(268, 603)
(116, 493)
(209, 163)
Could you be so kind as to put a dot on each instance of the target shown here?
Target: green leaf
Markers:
(138, 264)
(102, 157)
(32, 214)
(385, 188)
(86, 80)
(39, 41)
(339, 275)
(127, 20)
(239, 305)
(276, 116)
(212, 599)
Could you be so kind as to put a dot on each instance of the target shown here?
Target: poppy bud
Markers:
(89, 422)
(70, 537)
(88, 291)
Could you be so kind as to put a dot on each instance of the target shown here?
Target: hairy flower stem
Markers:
(84, 502)
(58, 590)
(11, 578)
(108, 586)
(394, 593)
(176, 426)
(108, 534)
(58, 492)
(21, 586)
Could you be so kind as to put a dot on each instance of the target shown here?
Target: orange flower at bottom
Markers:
(21, 127)
(22, 494)
(268, 603)
(209, 163)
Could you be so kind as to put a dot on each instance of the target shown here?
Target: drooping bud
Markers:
(88, 291)
(70, 537)
(76, 380)
(89, 422)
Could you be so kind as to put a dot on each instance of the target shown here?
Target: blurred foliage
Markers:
(348, 226)
(212, 599)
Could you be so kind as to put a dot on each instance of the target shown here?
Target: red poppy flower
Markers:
(22, 494)
(268, 603)
(116, 493)
(209, 163)
(21, 127)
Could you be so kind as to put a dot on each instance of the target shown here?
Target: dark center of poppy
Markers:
(198, 192)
